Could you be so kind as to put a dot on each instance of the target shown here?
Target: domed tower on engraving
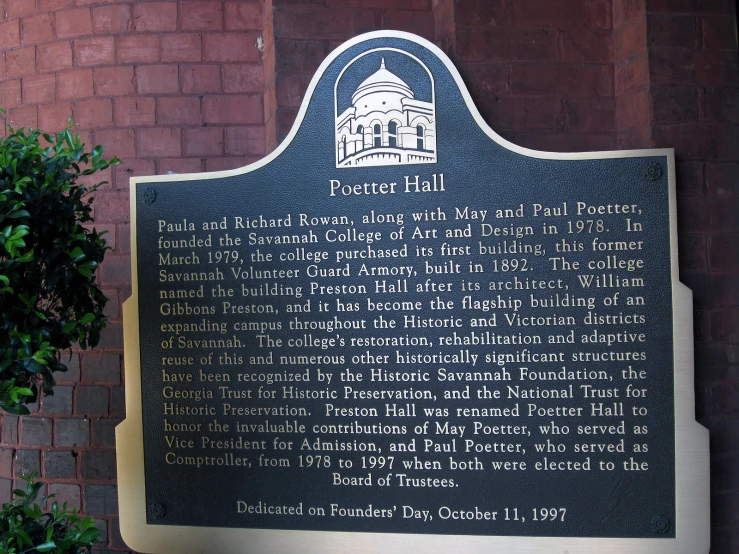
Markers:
(385, 124)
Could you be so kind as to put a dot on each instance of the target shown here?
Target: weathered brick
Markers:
(19, 8)
(65, 493)
(10, 429)
(181, 47)
(101, 499)
(118, 401)
(719, 33)
(231, 47)
(587, 46)
(690, 141)
(225, 164)
(37, 29)
(60, 464)
(201, 15)
(10, 93)
(26, 462)
(26, 117)
(506, 45)
(289, 89)
(630, 39)
(722, 105)
(115, 18)
(98, 465)
(179, 165)
(156, 79)
(94, 51)
(236, 109)
(240, 16)
(723, 254)
(722, 179)
(418, 22)
(39, 89)
(675, 31)
(112, 206)
(36, 431)
(72, 432)
(115, 270)
(184, 110)
(137, 48)
(6, 485)
(299, 56)
(135, 111)
(117, 142)
(60, 402)
(692, 253)
(575, 80)
(318, 23)
(553, 13)
(200, 78)
(6, 462)
(692, 67)
(54, 56)
(111, 308)
(103, 432)
(10, 36)
(21, 61)
(102, 526)
(245, 78)
(91, 400)
(94, 113)
(155, 16)
(114, 81)
(130, 168)
(73, 23)
(75, 83)
(72, 361)
(159, 142)
(49, 5)
(245, 141)
(203, 141)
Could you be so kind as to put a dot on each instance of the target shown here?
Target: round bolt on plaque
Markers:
(652, 171)
(155, 510)
(150, 195)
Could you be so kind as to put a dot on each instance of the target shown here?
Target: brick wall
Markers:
(181, 86)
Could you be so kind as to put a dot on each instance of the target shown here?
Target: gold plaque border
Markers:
(691, 438)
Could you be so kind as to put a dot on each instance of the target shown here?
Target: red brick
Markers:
(39, 89)
(94, 51)
(21, 61)
(181, 47)
(115, 270)
(112, 207)
(680, 66)
(25, 117)
(676, 31)
(690, 141)
(231, 47)
(179, 110)
(135, 111)
(587, 45)
(523, 113)
(10, 36)
(722, 105)
(506, 44)
(94, 113)
(675, 104)
(567, 141)
(203, 141)
(630, 39)
(486, 79)
(155, 16)
(423, 5)
(10, 93)
(688, 6)
(123, 172)
(420, 23)
(299, 56)
(591, 115)
(722, 179)
(555, 13)
(37, 29)
(318, 23)
(76, 83)
(159, 142)
(719, 33)
(575, 80)
(53, 118)
(725, 328)
(198, 15)
(49, 5)
(138, 48)
(492, 12)
(625, 10)
(289, 89)
(727, 141)
(73, 23)
(54, 56)
(237, 109)
(241, 16)
(200, 78)
(225, 164)
(723, 255)
(19, 8)
(631, 76)
(245, 141)
(180, 165)
(111, 19)
(243, 78)
(632, 110)
(117, 142)
(113, 81)
(156, 79)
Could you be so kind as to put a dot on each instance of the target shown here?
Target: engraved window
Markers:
(342, 148)
(419, 137)
(378, 134)
(392, 134)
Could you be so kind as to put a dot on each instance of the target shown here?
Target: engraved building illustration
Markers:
(385, 124)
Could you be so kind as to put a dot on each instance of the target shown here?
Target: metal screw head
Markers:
(155, 510)
(150, 195)
(652, 171)
(661, 524)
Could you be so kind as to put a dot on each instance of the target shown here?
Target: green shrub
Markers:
(26, 529)
(49, 299)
